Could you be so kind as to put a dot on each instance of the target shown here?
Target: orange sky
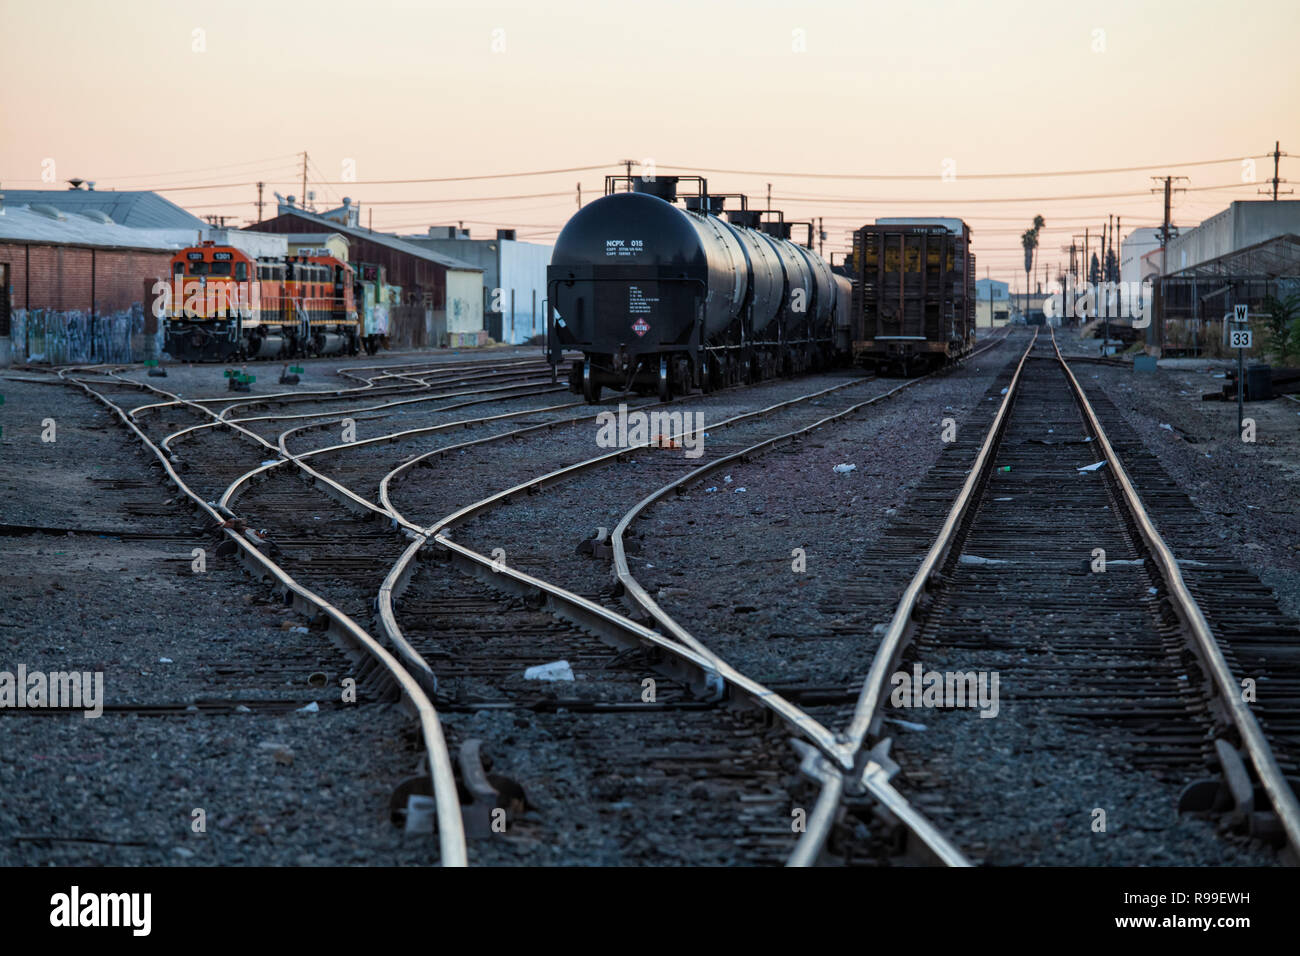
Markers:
(120, 92)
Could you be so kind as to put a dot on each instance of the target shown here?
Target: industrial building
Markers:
(1246, 255)
(1136, 261)
(135, 209)
(514, 278)
(441, 296)
(992, 303)
(74, 282)
(1241, 225)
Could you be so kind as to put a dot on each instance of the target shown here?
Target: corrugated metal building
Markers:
(442, 301)
(514, 278)
(1243, 224)
(133, 208)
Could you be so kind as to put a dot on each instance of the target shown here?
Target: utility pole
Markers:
(579, 195)
(1166, 231)
(1277, 155)
(302, 200)
(259, 201)
(1119, 240)
(1106, 238)
(821, 240)
(769, 197)
(627, 163)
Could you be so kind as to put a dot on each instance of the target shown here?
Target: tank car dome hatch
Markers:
(665, 187)
(696, 204)
(748, 218)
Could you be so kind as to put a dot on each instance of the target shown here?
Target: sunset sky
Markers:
(128, 94)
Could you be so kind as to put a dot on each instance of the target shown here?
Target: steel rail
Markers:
(451, 836)
(336, 415)
(704, 671)
(609, 624)
(818, 826)
(317, 395)
(1193, 618)
(893, 641)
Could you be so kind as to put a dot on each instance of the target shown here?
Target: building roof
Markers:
(23, 224)
(137, 209)
(1270, 259)
(381, 238)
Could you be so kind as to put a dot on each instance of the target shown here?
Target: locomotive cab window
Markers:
(241, 271)
(220, 269)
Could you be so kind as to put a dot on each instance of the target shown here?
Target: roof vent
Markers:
(506, 234)
(98, 215)
(45, 209)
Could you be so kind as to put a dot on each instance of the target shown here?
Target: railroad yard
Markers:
(550, 439)
(424, 529)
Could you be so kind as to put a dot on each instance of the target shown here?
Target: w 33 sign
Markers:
(1239, 338)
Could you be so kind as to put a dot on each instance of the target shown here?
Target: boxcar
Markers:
(913, 294)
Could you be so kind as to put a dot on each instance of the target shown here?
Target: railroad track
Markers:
(335, 601)
(1136, 669)
(669, 657)
(1167, 743)
(375, 670)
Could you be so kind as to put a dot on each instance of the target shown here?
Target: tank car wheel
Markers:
(590, 387)
(665, 385)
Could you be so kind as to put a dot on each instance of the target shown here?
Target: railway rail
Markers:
(338, 600)
(848, 765)
(1011, 585)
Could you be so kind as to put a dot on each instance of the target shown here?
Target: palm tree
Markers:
(1030, 242)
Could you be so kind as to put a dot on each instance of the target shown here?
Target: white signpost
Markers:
(1239, 339)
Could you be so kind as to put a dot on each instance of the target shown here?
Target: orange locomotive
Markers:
(221, 303)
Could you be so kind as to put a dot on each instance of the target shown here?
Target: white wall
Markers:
(523, 272)
(464, 301)
(1131, 250)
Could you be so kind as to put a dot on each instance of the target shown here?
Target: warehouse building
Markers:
(992, 303)
(441, 296)
(514, 278)
(135, 209)
(1136, 261)
(1240, 226)
(1249, 255)
(74, 284)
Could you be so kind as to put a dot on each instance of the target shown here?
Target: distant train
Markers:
(913, 294)
(661, 298)
(665, 298)
(222, 303)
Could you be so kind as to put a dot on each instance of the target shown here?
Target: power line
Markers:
(937, 201)
(432, 202)
(466, 179)
(931, 176)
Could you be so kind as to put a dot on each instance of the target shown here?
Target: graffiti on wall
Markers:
(74, 337)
